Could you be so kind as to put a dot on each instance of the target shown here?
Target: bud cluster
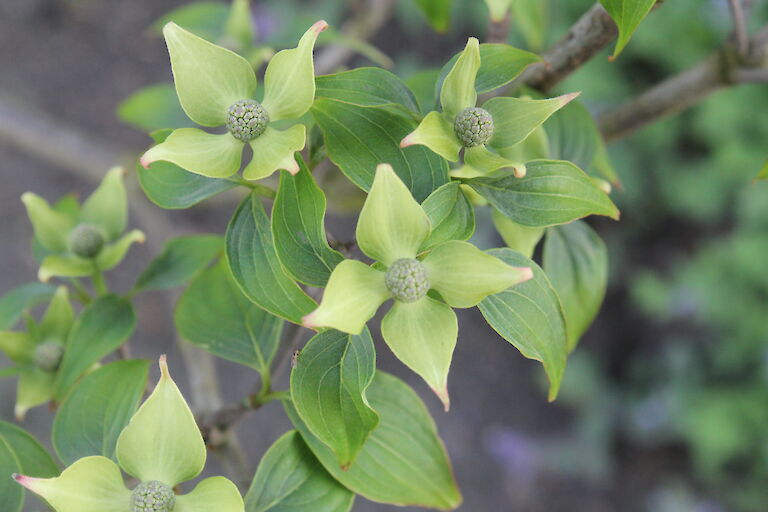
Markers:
(152, 496)
(407, 280)
(247, 119)
(86, 241)
(48, 355)
(473, 126)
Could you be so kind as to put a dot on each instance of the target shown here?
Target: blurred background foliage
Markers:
(665, 403)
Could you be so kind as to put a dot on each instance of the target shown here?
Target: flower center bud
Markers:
(247, 119)
(48, 355)
(86, 241)
(407, 280)
(473, 126)
(152, 496)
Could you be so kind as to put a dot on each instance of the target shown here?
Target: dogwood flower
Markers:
(162, 447)
(81, 240)
(216, 87)
(38, 351)
(485, 133)
(421, 327)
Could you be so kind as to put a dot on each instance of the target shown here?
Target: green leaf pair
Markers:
(161, 446)
(363, 113)
(545, 317)
(79, 241)
(216, 86)
(500, 124)
(420, 329)
(52, 355)
(402, 447)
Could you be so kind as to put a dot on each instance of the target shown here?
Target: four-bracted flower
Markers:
(161, 447)
(37, 352)
(216, 87)
(500, 124)
(79, 241)
(420, 328)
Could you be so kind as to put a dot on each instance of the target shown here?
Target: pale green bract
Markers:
(419, 329)
(216, 87)
(486, 134)
(161, 446)
(87, 240)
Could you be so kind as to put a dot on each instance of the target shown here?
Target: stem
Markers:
(99, 284)
(258, 188)
(498, 31)
(80, 292)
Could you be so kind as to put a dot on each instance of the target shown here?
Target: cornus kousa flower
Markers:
(421, 327)
(162, 447)
(216, 88)
(487, 134)
(79, 241)
(37, 353)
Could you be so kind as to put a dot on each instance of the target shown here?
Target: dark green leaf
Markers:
(11, 493)
(99, 330)
(298, 216)
(529, 316)
(403, 462)
(181, 259)
(366, 87)
(576, 261)
(438, 13)
(290, 479)
(214, 314)
(153, 108)
(360, 138)
(328, 391)
(20, 453)
(627, 14)
(499, 65)
(552, 192)
(33, 458)
(14, 303)
(573, 135)
(450, 214)
(602, 166)
(422, 84)
(98, 408)
(171, 187)
(252, 258)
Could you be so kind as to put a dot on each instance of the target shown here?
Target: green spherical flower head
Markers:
(86, 241)
(48, 355)
(247, 119)
(407, 280)
(473, 126)
(152, 496)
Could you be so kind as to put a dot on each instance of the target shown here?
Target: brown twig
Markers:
(739, 27)
(724, 68)
(498, 31)
(590, 34)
